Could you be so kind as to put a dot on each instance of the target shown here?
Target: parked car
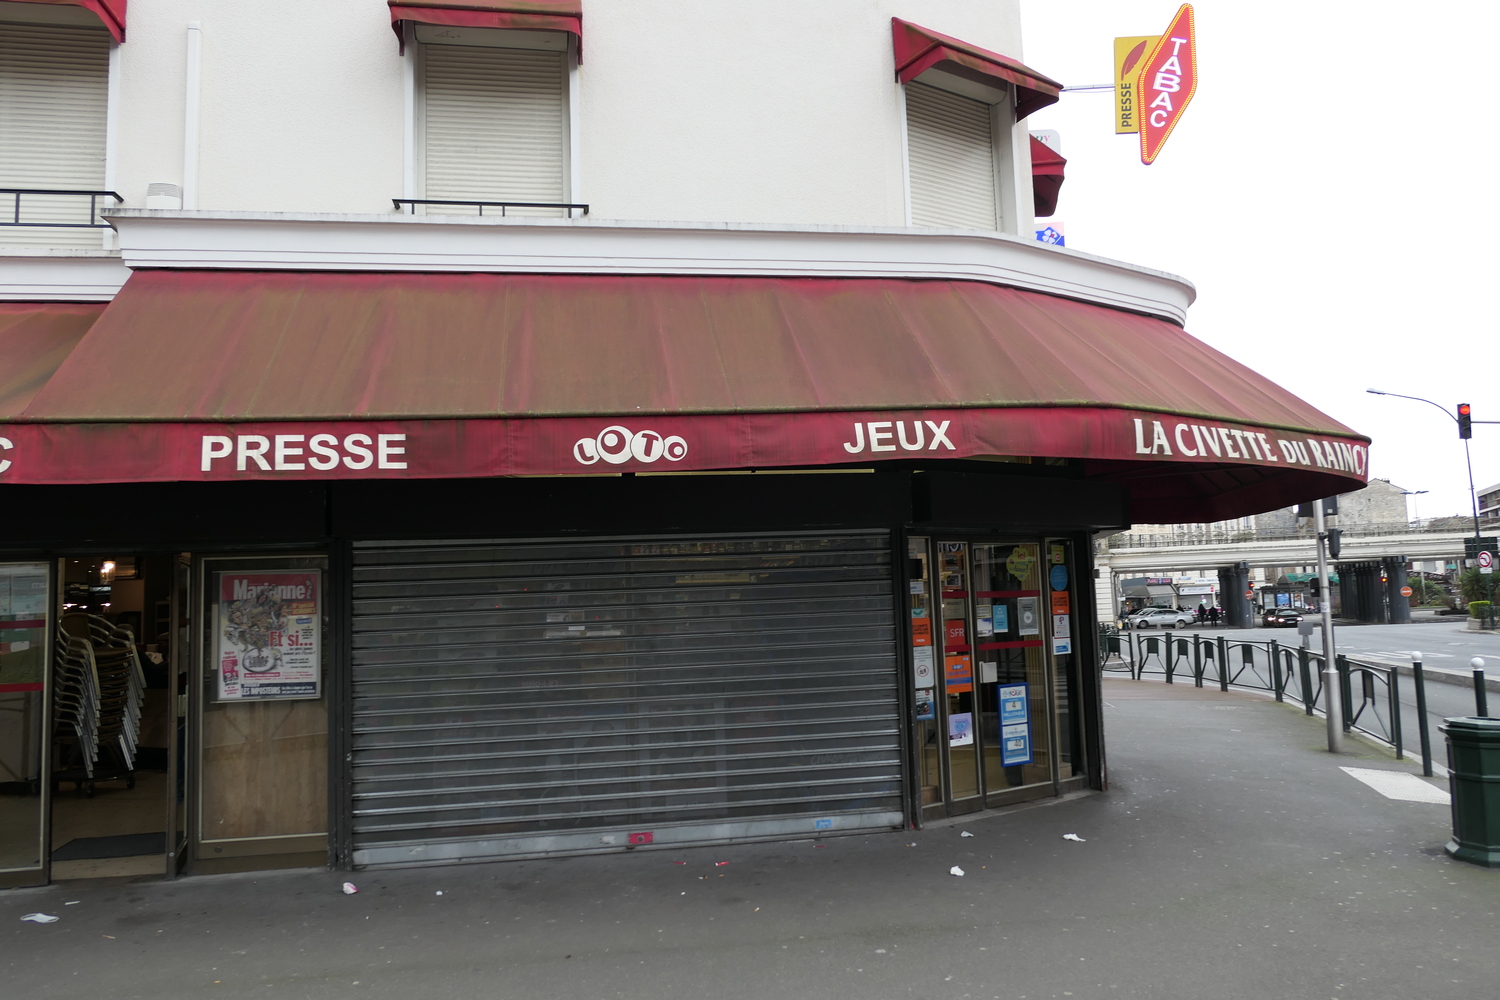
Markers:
(1283, 617)
(1160, 618)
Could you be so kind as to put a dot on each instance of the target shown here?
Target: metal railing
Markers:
(1133, 540)
(13, 217)
(411, 204)
(1369, 694)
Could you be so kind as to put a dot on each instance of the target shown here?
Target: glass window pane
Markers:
(23, 663)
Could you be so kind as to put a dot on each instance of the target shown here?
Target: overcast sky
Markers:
(1332, 192)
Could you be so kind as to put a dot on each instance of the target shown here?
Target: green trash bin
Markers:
(1474, 766)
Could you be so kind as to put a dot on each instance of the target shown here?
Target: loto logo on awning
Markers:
(5, 445)
(617, 445)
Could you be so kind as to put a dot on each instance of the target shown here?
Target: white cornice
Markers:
(61, 276)
(274, 241)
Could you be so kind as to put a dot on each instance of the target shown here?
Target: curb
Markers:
(1454, 677)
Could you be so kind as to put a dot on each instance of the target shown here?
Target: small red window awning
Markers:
(530, 15)
(1046, 176)
(111, 12)
(36, 337)
(296, 375)
(919, 49)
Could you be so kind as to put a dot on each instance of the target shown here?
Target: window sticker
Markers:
(1026, 614)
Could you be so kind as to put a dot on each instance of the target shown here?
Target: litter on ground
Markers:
(1074, 837)
(955, 870)
(41, 918)
(720, 864)
(350, 888)
(966, 833)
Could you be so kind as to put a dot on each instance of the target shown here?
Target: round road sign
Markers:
(1249, 593)
(1405, 591)
(1486, 560)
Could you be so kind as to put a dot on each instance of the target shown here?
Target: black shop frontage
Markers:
(487, 601)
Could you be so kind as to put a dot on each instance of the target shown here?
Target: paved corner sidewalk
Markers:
(1231, 858)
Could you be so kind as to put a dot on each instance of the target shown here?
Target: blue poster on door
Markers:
(1015, 724)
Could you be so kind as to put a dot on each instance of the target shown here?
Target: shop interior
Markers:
(112, 719)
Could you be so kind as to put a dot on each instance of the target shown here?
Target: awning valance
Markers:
(920, 49)
(1047, 166)
(36, 337)
(323, 375)
(111, 12)
(530, 15)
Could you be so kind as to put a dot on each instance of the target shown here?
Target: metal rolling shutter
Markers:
(521, 698)
(951, 152)
(54, 91)
(495, 125)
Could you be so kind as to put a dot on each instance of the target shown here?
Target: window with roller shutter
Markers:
(54, 87)
(951, 152)
(494, 126)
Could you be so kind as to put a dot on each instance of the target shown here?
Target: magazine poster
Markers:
(267, 636)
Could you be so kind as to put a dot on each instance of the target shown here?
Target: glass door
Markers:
(958, 702)
(1014, 686)
(25, 630)
(179, 659)
(928, 726)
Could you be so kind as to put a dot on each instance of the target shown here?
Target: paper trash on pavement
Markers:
(41, 918)
(955, 870)
(1074, 837)
(350, 888)
(966, 833)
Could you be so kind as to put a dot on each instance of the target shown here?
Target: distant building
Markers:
(1489, 506)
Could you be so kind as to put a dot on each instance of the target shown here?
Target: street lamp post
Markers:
(1414, 493)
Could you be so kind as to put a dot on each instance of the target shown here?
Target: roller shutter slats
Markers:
(951, 151)
(495, 125)
(54, 89)
(548, 696)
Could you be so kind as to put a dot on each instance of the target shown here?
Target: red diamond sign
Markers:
(1168, 78)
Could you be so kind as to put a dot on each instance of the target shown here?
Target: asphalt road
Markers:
(1446, 649)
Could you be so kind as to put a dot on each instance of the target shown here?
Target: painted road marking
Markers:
(1399, 785)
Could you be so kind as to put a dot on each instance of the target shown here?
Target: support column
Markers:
(1395, 579)
(1233, 582)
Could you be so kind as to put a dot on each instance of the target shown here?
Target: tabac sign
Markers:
(1168, 78)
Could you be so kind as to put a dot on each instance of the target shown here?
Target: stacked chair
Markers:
(98, 691)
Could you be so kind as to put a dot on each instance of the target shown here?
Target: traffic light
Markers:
(1465, 421)
(1335, 542)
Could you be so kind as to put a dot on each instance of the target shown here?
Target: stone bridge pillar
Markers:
(1363, 597)
(1395, 579)
(1234, 581)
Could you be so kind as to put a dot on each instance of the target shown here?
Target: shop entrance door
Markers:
(111, 740)
(983, 674)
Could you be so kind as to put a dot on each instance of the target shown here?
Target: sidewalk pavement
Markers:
(1231, 858)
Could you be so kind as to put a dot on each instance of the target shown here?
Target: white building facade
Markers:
(472, 430)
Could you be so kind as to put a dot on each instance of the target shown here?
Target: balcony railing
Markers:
(411, 204)
(48, 208)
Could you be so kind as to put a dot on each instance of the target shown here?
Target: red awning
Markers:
(919, 49)
(36, 337)
(1046, 176)
(111, 12)
(323, 375)
(531, 15)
